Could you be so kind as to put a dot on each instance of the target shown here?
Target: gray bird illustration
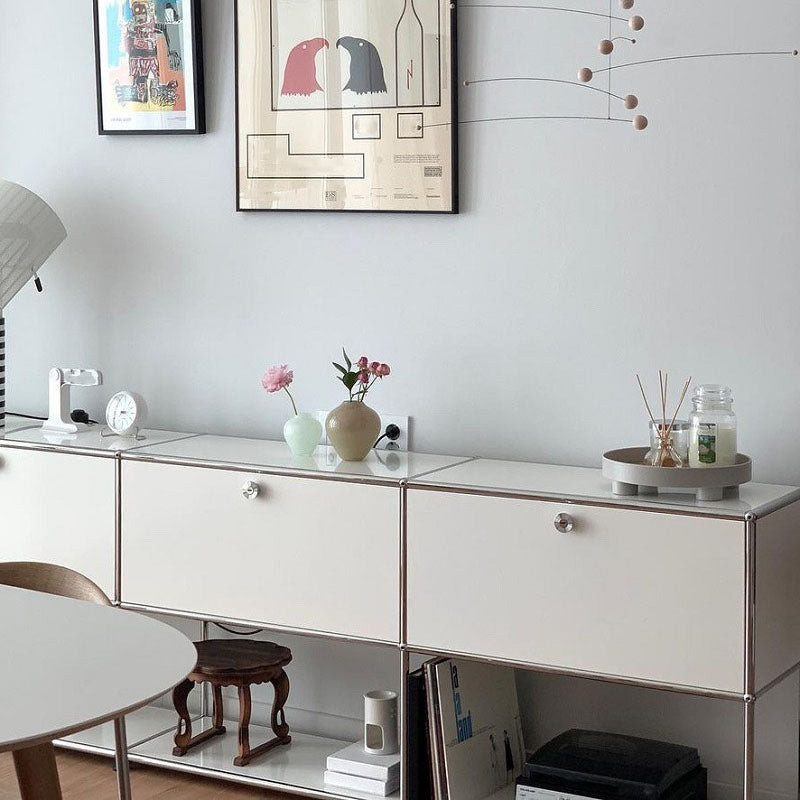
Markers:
(366, 69)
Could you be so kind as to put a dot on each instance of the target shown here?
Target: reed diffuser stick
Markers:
(680, 403)
(647, 405)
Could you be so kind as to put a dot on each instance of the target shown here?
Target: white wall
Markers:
(514, 329)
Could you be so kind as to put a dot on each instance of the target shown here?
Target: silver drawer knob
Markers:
(250, 490)
(564, 523)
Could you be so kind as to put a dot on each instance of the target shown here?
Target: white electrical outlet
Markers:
(401, 443)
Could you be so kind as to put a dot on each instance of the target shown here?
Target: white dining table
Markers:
(67, 665)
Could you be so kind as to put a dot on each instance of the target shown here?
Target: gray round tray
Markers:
(629, 475)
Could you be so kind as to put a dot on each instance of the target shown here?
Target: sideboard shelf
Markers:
(297, 768)
(142, 725)
(422, 555)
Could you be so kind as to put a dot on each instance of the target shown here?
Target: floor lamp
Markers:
(29, 233)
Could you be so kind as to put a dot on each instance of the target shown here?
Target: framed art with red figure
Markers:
(149, 57)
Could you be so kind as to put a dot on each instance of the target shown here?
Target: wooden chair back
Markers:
(51, 579)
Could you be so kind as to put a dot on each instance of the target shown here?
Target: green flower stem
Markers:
(292, 399)
(366, 388)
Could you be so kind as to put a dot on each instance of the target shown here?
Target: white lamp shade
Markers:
(29, 233)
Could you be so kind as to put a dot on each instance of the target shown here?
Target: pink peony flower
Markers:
(277, 378)
(362, 362)
(383, 370)
(363, 376)
(373, 367)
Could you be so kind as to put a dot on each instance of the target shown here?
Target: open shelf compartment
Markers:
(296, 768)
(141, 725)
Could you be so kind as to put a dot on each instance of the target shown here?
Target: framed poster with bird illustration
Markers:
(149, 56)
(346, 105)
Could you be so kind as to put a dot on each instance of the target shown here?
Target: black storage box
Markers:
(606, 766)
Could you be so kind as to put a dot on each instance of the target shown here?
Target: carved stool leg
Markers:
(218, 721)
(243, 759)
(246, 754)
(183, 736)
(184, 740)
(279, 727)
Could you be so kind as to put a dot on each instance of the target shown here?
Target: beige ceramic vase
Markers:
(353, 428)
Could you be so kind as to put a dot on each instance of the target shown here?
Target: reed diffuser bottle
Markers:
(663, 434)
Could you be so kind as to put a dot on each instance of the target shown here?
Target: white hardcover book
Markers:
(436, 744)
(481, 730)
(360, 784)
(354, 760)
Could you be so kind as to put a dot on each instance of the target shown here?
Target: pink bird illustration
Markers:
(300, 75)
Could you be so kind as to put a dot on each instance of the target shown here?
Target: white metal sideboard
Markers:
(655, 591)
(533, 566)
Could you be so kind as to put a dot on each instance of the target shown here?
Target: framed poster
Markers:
(149, 58)
(346, 105)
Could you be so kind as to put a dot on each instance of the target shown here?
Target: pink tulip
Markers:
(277, 378)
(363, 377)
(383, 370)
(362, 362)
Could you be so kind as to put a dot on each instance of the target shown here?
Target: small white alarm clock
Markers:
(126, 413)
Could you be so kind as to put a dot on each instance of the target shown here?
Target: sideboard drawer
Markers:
(627, 593)
(58, 508)
(312, 554)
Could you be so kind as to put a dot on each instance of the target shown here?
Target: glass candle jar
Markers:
(712, 440)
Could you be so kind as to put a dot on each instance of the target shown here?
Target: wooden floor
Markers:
(91, 778)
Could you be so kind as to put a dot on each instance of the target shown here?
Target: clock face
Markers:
(122, 413)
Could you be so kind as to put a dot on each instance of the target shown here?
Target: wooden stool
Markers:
(235, 662)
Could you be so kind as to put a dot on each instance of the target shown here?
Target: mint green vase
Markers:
(302, 433)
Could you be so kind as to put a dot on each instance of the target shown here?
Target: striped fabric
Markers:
(29, 233)
(2, 375)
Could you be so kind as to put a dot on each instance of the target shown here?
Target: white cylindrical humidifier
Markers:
(380, 722)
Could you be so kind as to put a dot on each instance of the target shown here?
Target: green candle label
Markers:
(707, 443)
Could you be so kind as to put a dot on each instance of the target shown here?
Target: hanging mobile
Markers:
(125, 415)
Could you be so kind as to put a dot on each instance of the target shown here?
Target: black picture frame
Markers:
(195, 41)
(454, 138)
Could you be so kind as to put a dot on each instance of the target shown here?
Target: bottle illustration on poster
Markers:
(409, 58)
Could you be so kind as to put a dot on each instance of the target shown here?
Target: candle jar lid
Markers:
(712, 395)
(678, 426)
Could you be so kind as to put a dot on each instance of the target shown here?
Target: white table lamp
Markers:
(30, 231)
